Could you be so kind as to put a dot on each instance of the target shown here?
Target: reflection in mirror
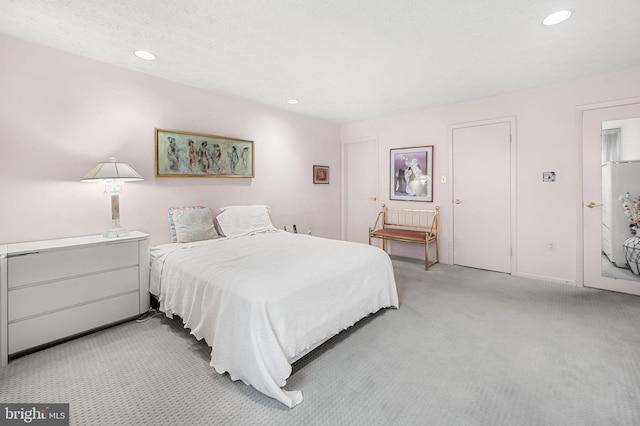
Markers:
(621, 199)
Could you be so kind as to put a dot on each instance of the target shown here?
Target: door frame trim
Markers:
(343, 179)
(580, 110)
(512, 120)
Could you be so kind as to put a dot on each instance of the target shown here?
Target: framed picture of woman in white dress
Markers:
(411, 177)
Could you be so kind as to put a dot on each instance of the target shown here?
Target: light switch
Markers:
(443, 179)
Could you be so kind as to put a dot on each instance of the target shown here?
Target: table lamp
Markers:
(113, 175)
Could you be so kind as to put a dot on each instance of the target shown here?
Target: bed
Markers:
(261, 298)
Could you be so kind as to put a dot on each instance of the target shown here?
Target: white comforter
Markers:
(260, 301)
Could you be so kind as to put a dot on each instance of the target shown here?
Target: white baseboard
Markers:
(545, 278)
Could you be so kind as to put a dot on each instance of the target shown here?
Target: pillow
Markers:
(172, 226)
(194, 225)
(235, 221)
(256, 207)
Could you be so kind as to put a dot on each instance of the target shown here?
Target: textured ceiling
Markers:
(344, 60)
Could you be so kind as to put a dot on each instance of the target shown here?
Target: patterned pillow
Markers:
(172, 225)
(194, 225)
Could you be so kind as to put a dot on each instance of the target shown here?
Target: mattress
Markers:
(262, 300)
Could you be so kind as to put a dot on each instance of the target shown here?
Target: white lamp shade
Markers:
(112, 171)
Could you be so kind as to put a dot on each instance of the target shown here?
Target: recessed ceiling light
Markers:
(557, 17)
(292, 101)
(143, 54)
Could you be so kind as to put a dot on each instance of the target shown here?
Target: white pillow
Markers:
(235, 221)
(194, 225)
(252, 207)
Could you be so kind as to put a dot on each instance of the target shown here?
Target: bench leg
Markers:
(383, 244)
(426, 256)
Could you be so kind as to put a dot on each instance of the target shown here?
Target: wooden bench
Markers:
(409, 226)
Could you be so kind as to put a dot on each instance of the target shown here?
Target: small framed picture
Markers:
(320, 174)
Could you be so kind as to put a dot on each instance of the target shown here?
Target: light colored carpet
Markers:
(610, 270)
(466, 347)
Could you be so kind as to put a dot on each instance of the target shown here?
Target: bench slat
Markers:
(405, 234)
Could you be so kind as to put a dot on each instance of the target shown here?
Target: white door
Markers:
(481, 167)
(360, 189)
(599, 271)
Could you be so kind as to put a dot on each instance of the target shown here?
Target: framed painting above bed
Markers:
(184, 154)
(411, 176)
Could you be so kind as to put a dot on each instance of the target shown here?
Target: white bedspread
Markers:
(261, 300)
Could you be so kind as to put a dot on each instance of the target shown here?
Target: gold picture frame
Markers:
(187, 154)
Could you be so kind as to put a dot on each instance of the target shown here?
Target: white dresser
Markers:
(54, 289)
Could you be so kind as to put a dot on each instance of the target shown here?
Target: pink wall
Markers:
(547, 140)
(61, 114)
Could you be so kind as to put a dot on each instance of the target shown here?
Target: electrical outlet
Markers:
(551, 246)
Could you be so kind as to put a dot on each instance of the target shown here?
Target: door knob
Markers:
(592, 205)
(458, 201)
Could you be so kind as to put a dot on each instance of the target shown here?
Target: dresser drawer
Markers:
(58, 264)
(44, 298)
(43, 329)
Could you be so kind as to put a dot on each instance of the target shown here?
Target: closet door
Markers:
(360, 191)
(482, 201)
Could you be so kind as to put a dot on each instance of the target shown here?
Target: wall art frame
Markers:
(187, 154)
(320, 174)
(411, 174)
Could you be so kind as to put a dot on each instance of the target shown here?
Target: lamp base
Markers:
(115, 232)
